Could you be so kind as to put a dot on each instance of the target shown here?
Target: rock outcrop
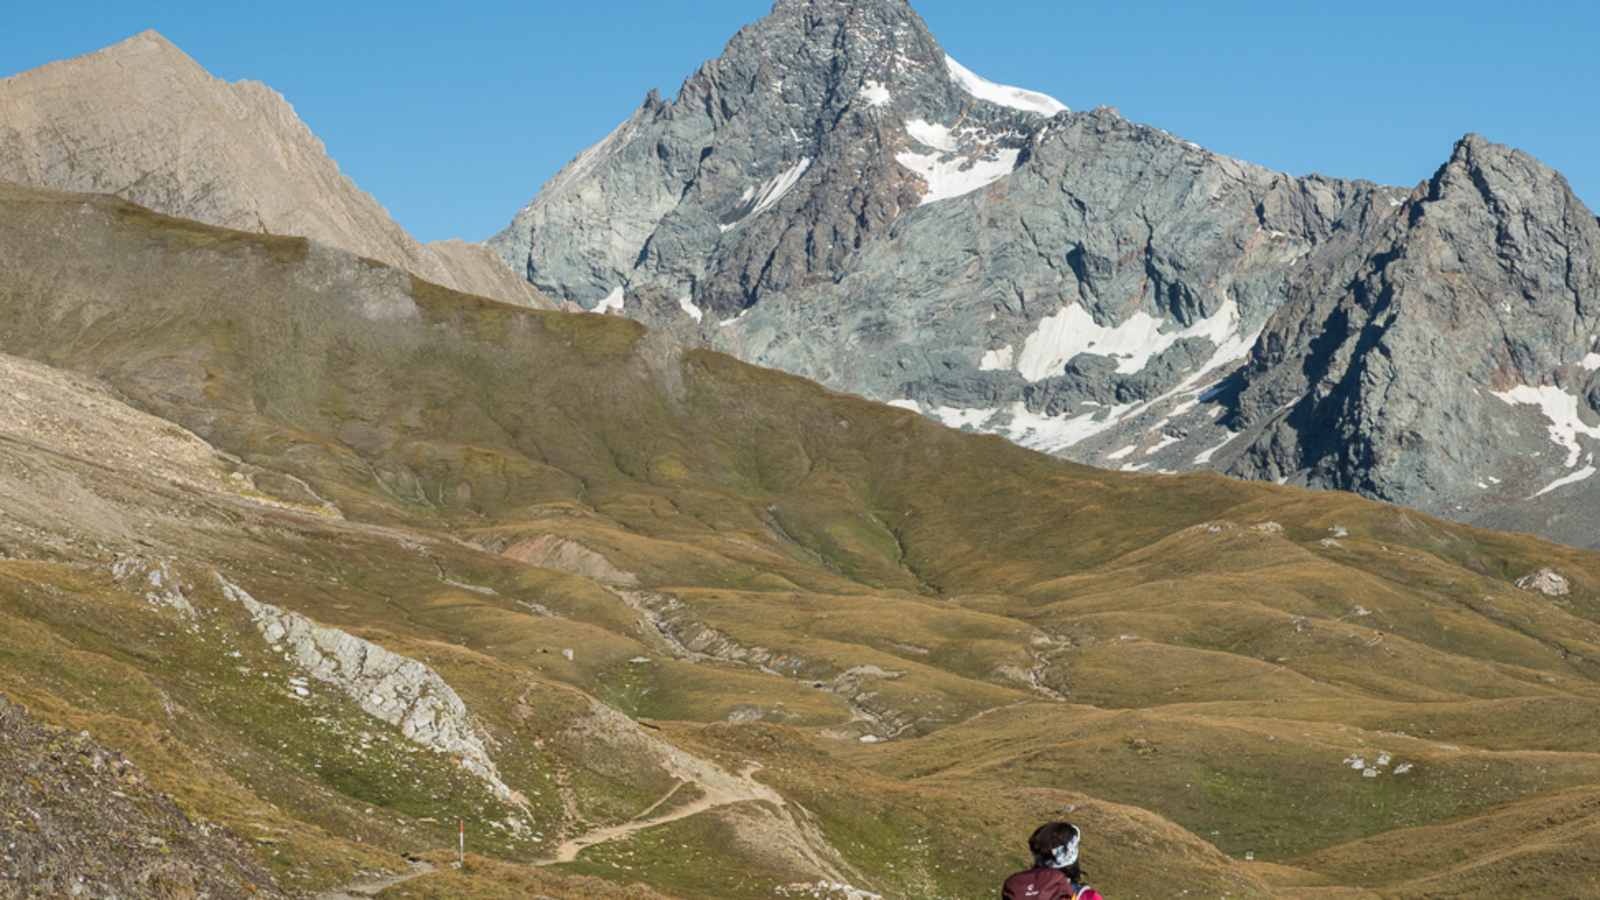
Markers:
(144, 121)
(156, 580)
(395, 689)
(1546, 581)
(549, 551)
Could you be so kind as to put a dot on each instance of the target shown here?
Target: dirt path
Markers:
(377, 885)
(713, 793)
(777, 824)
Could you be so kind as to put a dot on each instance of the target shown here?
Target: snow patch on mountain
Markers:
(762, 197)
(875, 93)
(687, 305)
(927, 133)
(1235, 348)
(997, 360)
(955, 417)
(1132, 344)
(1003, 94)
(1561, 408)
(611, 303)
(1167, 440)
(1204, 456)
(949, 176)
(779, 186)
(1583, 474)
(1052, 434)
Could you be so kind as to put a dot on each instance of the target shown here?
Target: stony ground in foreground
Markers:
(81, 820)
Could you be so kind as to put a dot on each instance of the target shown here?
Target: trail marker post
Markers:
(461, 844)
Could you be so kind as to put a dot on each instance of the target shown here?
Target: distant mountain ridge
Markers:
(144, 121)
(836, 197)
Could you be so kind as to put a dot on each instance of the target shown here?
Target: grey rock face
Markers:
(1446, 361)
(145, 122)
(772, 167)
(156, 580)
(395, 689)
(834, 197)
(1115, 268)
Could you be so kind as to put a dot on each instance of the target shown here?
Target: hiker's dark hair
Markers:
(1046, 838)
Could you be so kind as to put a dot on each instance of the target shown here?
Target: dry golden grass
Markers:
(1026, 638)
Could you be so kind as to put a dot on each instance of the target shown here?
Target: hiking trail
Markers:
(375, 886)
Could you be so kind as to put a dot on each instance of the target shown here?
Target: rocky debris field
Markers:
(78, 820)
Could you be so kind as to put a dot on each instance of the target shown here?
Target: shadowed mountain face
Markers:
(1451, 362)
(337, 558)
(835, 197)
(142, 120)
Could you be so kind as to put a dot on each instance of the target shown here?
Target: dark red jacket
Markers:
(1045, 884)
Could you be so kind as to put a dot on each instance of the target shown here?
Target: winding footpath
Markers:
(712, 795)
(377, 885)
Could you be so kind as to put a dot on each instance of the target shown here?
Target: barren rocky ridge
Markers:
(144, 121)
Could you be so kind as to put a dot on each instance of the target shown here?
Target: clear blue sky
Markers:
(452, 115)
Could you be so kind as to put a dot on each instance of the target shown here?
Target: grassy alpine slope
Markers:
(714, 631)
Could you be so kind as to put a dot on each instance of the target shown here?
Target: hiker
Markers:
(1056, 874)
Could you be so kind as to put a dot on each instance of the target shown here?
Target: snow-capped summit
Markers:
(817, 128)
(1003, 94)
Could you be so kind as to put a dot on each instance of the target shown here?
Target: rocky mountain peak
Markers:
(145, 121)
(855, 22)
(805, 68)
(838, 8)
(1506, 218)
(147, 41)
(817, 128)
(1504, 179)
(1468, 310)
(143, 56)
(148, 45)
